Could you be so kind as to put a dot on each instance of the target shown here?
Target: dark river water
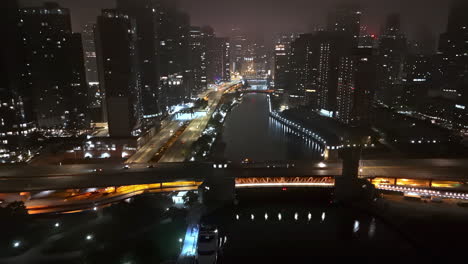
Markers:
(249, 132)
(276, 226)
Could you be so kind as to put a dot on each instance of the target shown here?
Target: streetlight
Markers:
(89, 237)
(57, 224)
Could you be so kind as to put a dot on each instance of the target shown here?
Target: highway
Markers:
(146, 153)
(182, 147)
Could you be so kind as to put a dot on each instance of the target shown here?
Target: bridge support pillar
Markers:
(348, 187)
(218, 188)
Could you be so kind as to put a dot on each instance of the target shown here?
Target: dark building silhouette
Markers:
(173, 35)
(197, 61)
(282, 69)
(78, 93)
(16, 117)
(366, 39)
(94, 92)
(49, 61)
(218, 62)
(365, 81)
(145, 14)
(89, 49)
(356, 86)
(305, 57)
(345, 19)
(391, 57)
(452, 61)
(417, 81)
(238, 46)
(116, 46)
(334, 48)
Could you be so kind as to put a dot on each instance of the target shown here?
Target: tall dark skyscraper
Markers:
(334, 48)
(452, 61)
(49, 60)
(356, 85)
(16, 119)
(218, 62)
(282, 54)
(116, 46)
(238, 44)
(417, 81)
(173, 35)
(89, 49)
(145, 14)
(78, 92)
(305, 55)
(197, 60)
(95, 96)
(345, 19)
(365, 81)
(391, 57)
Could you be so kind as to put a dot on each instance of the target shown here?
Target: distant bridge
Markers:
(255, 91)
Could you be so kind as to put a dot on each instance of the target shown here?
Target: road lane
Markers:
(146, 153)
(182, 147)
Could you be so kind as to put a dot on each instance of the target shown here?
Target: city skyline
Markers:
(219, 131)
(272, 17)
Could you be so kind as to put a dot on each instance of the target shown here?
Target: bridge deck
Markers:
(27, 178)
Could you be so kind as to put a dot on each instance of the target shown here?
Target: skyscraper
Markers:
(89, 49)
(452, 61)
(305, 55)
(197, 60)
(116, 46)
(333, 48)
(282, 67)
(345, 19)
(218, 62)
(78, 92)
(145, 14)
(356, 84)
(238, 45)
(365, 81)
(49, 60)
(173, 36)
(16, 119)
(417, 81)
(94, 92)
(391, 57)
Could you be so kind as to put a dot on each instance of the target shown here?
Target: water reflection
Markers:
(249, 132)
(294, 232)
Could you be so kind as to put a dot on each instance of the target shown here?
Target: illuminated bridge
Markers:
(78, 187)
(31, 178)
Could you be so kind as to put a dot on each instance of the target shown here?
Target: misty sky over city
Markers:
(266, 17)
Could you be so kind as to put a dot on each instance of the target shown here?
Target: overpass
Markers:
(75, 188)
(31, 178)
(255, 91)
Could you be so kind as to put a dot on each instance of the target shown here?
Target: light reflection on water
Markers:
(249, 132)
(275, 226)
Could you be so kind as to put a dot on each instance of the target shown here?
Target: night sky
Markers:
(266, 17)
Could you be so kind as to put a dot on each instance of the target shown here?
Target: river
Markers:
(249, 132)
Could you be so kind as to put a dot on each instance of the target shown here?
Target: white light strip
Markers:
(453, 195)
(291, 184)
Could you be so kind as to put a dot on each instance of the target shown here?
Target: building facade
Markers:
(116, 46)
